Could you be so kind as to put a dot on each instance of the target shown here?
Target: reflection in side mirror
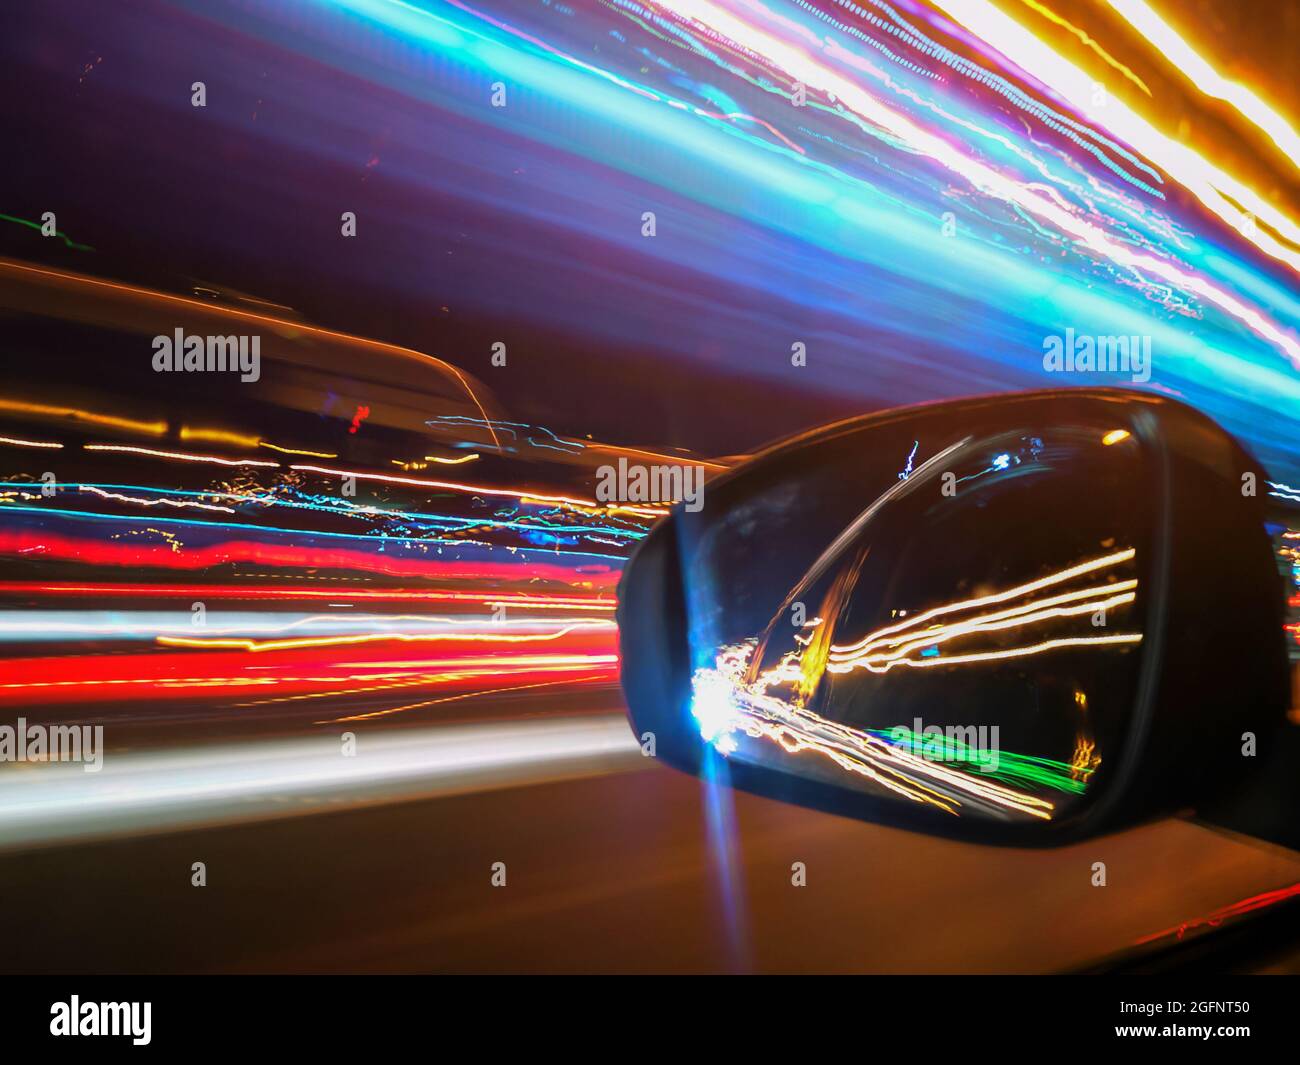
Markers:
(991, 614)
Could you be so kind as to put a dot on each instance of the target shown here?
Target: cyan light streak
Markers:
(849, 226)
(549, 532)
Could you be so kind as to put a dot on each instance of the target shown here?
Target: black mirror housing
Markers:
(1206, 663)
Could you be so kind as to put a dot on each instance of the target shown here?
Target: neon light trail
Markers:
(490, 248)
(922, 192)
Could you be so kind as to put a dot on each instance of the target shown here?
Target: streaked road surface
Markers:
(610, 867)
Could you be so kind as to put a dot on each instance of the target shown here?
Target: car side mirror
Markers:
(1023, 619)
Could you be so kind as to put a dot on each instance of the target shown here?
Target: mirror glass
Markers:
(957, 626)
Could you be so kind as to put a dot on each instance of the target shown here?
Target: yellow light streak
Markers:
(219, 436)
(453, 462)
(297, 451)
(77, 415)
(1088, 42)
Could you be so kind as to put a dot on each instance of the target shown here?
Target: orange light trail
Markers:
(74, 414)
(226, 436)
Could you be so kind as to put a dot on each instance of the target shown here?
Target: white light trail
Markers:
(167, 790)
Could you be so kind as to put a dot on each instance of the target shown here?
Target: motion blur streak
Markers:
(393, 534)
(725, 706)
(902, 145)
(73, 282)
(985, 179)
(161, 676)
(150, 791)
(734, 697)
